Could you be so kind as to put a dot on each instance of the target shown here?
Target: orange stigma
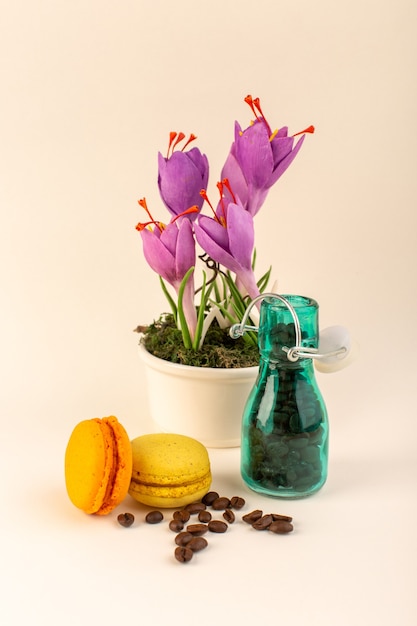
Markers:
(142, 225)
(255, 105)
(175, 139)
(226, 183)
(203, 194)
(192, 209)
(309, 129)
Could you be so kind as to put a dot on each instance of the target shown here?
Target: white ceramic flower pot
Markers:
(205, 403)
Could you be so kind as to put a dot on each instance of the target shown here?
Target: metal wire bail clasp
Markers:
(295, 352)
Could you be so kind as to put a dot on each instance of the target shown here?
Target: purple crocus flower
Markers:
(258, 158)
(228, 239)
(170, 252)
(181, 176)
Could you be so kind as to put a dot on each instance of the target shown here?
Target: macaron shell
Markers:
(119, 479)
(98, 465)
(88, 464)
(169, 470)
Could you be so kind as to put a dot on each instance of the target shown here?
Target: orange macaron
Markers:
(98, 465)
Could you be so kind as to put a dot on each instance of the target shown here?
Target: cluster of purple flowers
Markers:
(257, 159)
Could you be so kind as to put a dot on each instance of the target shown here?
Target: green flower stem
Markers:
(183, 322)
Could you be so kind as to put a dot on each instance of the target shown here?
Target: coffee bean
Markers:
(204, 516)
(182, 515)
(229, 516)
(182, 539)
(210, 497)
(154, 517)
(237, 502)
(217, 526)
(197, 543)
(285, 518)
(195, 507)
(197, 529)
(263, 523)
(126, 519)
(183, 554)
(176, 525)
(219, 504)
(281, 527)
(251, 517)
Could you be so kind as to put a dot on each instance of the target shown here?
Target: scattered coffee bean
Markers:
(176, 525)
(126, 519)
(183, 554)
(182, 539)
(229, 516)
(195, 507)
(217, 526)
(281, 527)
(204, 516)
(190, 539)
(197, 543)
(154, 517)
(219, 504)
(197, 529)
(285, 518)
(251, 517)
(209, 498)
(237, 502)
(182, 515)
(263, 523)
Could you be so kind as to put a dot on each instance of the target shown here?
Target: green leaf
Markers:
(169, 298)
(264, 280)
(201, 313)
(254, 259)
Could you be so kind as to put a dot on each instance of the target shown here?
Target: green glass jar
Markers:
(284, 449)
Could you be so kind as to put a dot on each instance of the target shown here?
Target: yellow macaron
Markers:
(98, 465)
(169, 470)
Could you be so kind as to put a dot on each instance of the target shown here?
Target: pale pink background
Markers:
(89, 92)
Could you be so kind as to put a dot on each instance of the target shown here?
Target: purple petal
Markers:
(185, 248)
(256, 199)
(180, 181)
(283, 132)
(254, 154)
(201, 163)
(285, 163)
(215, 251)
(158, 256)
(214, 230)
(241, 234)
(248, 280)
(168, 236)
(281, 147)
(233, 172)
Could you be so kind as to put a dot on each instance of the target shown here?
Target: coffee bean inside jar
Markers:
(285, 429)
